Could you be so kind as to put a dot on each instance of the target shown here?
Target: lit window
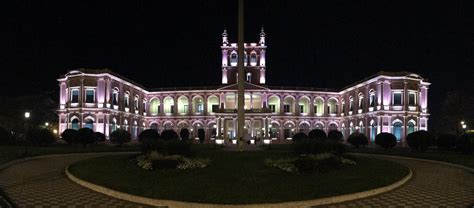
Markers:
(74, 95)
(90, 95)
(397, 98)
(115, 97)
(253, 59)
(200, 108)
(249, 77)
(272, 108)
(372, 100)
(286, 108)
(233, 59)
(351, 104)
(126, 100)
(135, 103)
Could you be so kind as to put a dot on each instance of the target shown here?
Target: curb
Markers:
(172, 203)
(471, 170)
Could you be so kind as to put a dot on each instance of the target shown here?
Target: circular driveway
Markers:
(41, 182)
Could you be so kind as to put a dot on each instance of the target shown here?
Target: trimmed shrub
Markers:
(69, 136)
(149, 140)
(357, 139)
(169, 135)
(40, 137)
(317, 134)
(119, 137)
(298, 137)
(5, 136)
(446, 141)
(386, 140)
(465, 143)
(335, 135)
(86, 136)
(184, 134)
(201, 135)
(420, 140)
(100, 137)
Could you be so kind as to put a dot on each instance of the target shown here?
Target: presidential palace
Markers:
(394, 102)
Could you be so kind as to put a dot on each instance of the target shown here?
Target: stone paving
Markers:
(432, 185)
(42, 183)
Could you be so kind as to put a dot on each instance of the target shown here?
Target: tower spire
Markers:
(224, 38)
(262, 37)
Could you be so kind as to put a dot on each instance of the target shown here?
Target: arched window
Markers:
(135, 130)
(288, 104)
(115, 96)
(253, 59)
(155, 107)
(248, 78)
(397, 130)
(373, 130)
(361, 103)
(319, 106)
(411, 127)
(233, 58)
(75, 124)
(212, 104)
(183, 105)
(372, 98)
(169, 105)
(288, 130)
(245, 58)
(332, 127)
(135, 102)
(304, 128)
(351, 128)
(332, 106)
(113, 125)
(274, 104)
(198, 104)
(361, 127)
(89, 123)
(125, 124)
(154, 126)
(304, 105)
(127, 99)
(351, 104)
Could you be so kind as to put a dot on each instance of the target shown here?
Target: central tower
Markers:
(254, 61)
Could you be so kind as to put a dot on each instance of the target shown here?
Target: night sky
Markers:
(176, 43)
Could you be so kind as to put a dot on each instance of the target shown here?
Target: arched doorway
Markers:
(397, 130)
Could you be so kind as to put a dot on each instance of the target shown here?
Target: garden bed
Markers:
(236, 178)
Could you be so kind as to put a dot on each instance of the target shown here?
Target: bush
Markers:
(298, 137)
(420, 140)
(201, 135)
(177, 147)
(446, 141)
(40, 137)
(357, 139)
(5, 136)
(100, 137)
(317, 134)
(315, 146)
(69, 136)
(184, 134)
(386, 140)
(465, 143)
(120, 137)
(336, 136)
(149, 141)
(86, 136)
(169, 135)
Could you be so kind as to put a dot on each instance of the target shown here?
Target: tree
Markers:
(357, 139)
(40, 137)
(299, 137)
(69, 135)
(446, 141)
(317, 134)
(119, 137)
(100, 137)
(386, 140)
(86, 136)
(456, 107)
(201, 135)
(149, 141)
(169, 135)
(465, 143)
(420, 140)
(184, 134)
(335, 135)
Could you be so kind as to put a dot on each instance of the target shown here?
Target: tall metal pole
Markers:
(241, 75)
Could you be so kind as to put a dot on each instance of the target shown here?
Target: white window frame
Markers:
(75, 104)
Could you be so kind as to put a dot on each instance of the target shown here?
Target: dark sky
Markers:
(176, 43)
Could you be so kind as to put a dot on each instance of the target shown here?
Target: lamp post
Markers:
(27, 123)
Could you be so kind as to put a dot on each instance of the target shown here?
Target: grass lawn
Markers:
(236, 178)
(445, 156)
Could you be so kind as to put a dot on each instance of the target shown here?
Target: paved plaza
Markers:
(42, 183)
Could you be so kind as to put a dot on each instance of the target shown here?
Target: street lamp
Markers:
(462, 122)
(55, 131)
(464, 126)
(27, 114)
(46, 124)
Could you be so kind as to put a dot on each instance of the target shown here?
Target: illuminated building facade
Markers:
(394, 102)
